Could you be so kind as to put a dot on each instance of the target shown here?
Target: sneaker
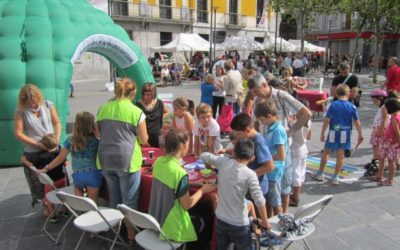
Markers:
(335, 180)
(54, 219)
(319, 176)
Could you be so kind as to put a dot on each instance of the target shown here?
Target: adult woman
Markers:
(122, 129)
(34, 118)
(288, 82)
(155, 110)
(219, 92)
(207, 88)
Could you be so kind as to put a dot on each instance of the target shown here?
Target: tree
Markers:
(303, 11)
(378, 15)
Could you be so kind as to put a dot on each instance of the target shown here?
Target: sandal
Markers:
(293, 202)
(385, 183)
(375, 178)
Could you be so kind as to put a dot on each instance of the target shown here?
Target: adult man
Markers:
(233, 85)
(298, 67)
(286, 104)
(347, 78)
(287, 62)
(392, 82)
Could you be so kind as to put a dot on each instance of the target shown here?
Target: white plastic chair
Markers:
(308, 211)
(149, 237)
(95, 219)
(52, 198)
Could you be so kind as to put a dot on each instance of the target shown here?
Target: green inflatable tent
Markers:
(39, 42)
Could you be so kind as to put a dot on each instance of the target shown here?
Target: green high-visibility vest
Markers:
(177, 225)
(119, 148)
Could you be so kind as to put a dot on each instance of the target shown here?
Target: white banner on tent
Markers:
(107, 46)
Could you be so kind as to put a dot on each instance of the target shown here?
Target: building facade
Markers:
(153, 23)
(336, 33)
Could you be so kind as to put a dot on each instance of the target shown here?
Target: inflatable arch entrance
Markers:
(39, 42)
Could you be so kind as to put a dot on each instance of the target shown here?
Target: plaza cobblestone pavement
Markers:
(360, 216)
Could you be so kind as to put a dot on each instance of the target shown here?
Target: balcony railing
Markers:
(235, 20)
(129, 10)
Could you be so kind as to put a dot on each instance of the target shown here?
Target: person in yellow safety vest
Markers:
(170, 198)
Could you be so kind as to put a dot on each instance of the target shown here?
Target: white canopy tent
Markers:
(281, 45)
(184, 43)
(239, 43)
(308, 47)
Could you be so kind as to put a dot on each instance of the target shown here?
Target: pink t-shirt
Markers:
(389, 134)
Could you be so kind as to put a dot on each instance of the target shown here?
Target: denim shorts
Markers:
(123, 188)
(287, 179)
(273, 196)
(240, 236)
(92, 179)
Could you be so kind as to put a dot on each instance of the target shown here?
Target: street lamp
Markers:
(211, 33)
(215, 29)
(276, 25)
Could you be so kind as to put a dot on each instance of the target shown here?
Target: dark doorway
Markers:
(288, 27)
(205, 36)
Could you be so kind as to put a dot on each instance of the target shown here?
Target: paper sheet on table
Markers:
(199, 164)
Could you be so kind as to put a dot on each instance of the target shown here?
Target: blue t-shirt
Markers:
(276, 135)
(206, 93)
(83, 161)
(262, 155)
(341, 114)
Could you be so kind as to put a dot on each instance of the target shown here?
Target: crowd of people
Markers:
(267, 156)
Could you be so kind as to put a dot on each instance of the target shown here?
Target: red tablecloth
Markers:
(312, 96)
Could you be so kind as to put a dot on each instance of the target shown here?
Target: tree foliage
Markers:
(377, 16)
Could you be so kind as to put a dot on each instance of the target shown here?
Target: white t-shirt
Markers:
(297, 63)
(164, 72)
(204, 132)
(221, 91)
(299, 140)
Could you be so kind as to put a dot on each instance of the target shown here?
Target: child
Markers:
(206, 131)
(83, 147)
(339, 117)
(276, 139)
(379, 125)
(232, 141)
(57, 174)
(248, 104)
(390, 148)
(207, 88)
(170, 198)
(299, 152)
(262, 164)
(183, 119)
(235, 180)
